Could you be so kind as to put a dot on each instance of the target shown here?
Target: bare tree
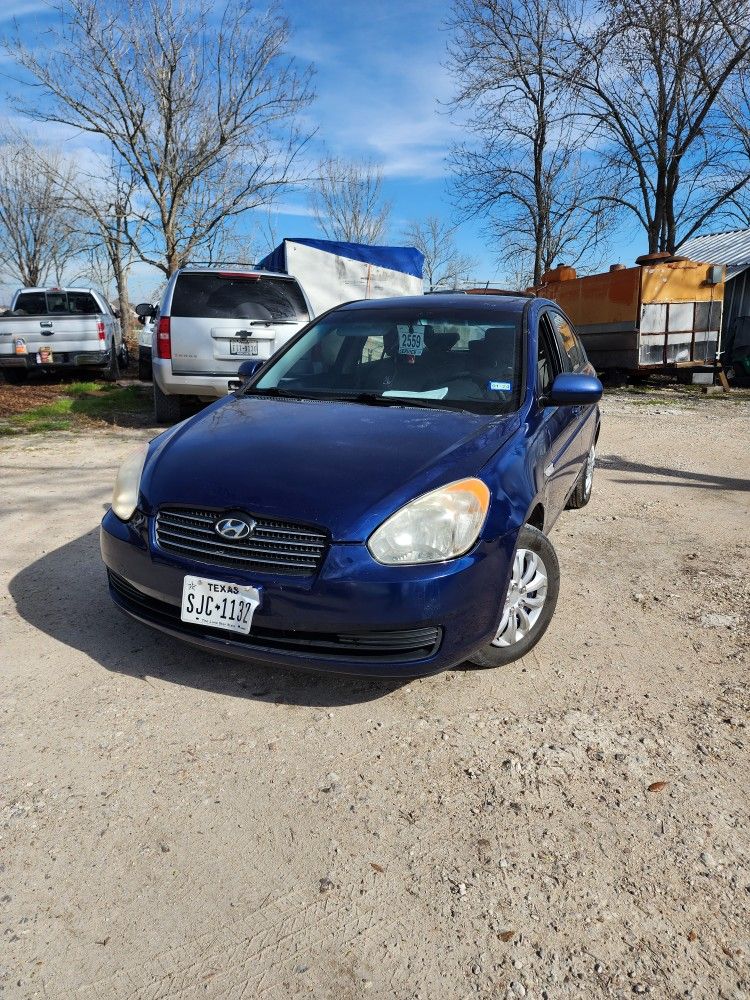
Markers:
(199, 105)
(444, 264)
(347, 200)
(37, 230)
(107, 223)
(656, 80)
(522, 170)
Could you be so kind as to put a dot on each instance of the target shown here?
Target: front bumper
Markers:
(354, 617)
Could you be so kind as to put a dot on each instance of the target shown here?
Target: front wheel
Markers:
(529, 603)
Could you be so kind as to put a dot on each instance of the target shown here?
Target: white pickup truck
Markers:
(50, 329)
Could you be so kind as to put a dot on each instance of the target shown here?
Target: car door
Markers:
(559, 425)
(575, 360)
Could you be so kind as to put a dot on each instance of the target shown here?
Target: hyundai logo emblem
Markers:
(234, 528)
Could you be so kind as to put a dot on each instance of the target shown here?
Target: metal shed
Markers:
(733, 250)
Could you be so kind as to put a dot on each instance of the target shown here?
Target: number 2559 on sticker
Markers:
(499, 386)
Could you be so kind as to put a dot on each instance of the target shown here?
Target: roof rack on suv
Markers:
(223, 263)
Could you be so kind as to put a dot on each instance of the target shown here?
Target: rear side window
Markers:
(58, 303)
(33, 303)
(219, 296)
(571, 345)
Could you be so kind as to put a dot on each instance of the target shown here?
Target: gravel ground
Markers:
(576, 825)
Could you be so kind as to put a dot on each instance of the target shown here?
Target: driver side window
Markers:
(548, 364)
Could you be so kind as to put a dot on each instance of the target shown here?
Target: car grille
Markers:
(394, 647)
(278, 547)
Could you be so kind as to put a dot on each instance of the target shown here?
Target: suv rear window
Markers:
(58, 303)
(220, 296)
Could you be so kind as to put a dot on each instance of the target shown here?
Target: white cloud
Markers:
(12, 11)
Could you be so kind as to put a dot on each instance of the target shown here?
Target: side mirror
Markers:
(249, 368)
(116, 313)
(145, 310)
(570, 389)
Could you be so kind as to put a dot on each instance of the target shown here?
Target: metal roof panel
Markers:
(731, 248)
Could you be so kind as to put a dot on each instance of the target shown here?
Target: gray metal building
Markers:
(733, 250)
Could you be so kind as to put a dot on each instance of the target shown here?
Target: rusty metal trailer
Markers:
(661, 315)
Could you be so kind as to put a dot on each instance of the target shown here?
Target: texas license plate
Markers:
(228, 606)
(243, 347)
(45, 356)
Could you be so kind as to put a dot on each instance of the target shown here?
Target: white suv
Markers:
(210, 320)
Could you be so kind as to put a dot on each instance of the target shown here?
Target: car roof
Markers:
(461, 303)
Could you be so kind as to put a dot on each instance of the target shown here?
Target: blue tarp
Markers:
(408, 260)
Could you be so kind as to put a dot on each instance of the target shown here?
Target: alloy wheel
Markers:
(525, 599)
(589, 470)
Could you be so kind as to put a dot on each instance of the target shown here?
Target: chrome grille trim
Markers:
(274, 546)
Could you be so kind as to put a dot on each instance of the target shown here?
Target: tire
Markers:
(534, 557)
(167, 409)
(112, 371)
(582, 492)
(15, 376)
(124, 357)
(144, 366)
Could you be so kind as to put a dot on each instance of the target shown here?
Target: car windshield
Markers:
(438, 357)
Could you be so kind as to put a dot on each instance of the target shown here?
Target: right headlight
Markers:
(440, 525)
(128, 484)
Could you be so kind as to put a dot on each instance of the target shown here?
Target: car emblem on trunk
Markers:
(234, 528)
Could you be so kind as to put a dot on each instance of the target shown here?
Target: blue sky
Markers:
(380, 81)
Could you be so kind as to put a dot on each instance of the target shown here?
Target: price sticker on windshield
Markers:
(411, 340)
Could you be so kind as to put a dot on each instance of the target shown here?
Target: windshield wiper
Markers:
(373, 399)
(277, 393)
(365, 398)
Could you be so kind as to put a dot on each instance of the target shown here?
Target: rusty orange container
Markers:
(651, 317)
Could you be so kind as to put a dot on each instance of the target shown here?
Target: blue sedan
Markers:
(375, 499)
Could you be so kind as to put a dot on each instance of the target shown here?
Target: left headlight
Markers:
(128, 482)
(440, 525)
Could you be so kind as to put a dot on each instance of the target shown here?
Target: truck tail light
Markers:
(101, 331)
(164, 338)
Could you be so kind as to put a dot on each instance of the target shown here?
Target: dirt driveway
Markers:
(176, 826)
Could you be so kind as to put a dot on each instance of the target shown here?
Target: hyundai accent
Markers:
(374, 499)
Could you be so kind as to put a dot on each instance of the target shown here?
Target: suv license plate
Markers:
(244, 347)
(228, 606)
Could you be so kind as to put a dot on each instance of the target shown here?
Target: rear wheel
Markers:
(529, 602)
(167, 409)
(15, 376)
(144, 366)
(112, 371)
(582, 493)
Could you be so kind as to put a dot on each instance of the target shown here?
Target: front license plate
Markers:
(228, 606)
(244, 347)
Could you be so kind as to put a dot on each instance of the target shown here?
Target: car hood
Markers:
(342, 466)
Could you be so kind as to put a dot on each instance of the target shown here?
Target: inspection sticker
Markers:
(499, 386)
(411, 340)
